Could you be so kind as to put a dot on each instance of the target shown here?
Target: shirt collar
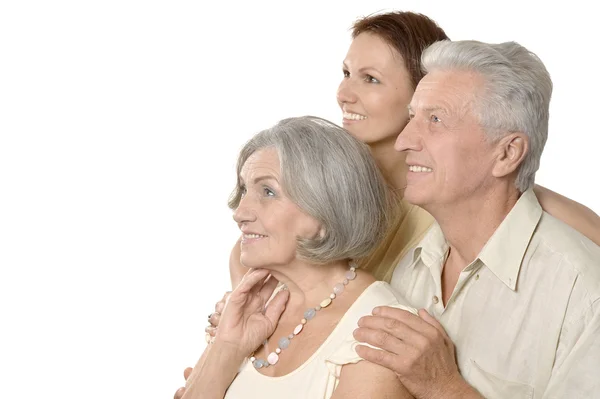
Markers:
(503, 253)
(432, 247)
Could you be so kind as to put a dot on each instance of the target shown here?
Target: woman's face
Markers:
(375, 91)
(270, 222)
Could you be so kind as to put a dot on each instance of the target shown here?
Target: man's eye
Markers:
(435, 119)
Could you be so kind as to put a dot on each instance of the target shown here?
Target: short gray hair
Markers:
(516, 97)
(332, 177)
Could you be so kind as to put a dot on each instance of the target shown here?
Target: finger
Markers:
(388, 328)
(381, 357)
(380, 339)
(251, 280)
(214, 319)
(267, 289)
(212, 331)
(179, 393)
(432, 320)
(187, 372)
(277, 306)
(219, 306)
(408, 318)
(256, 290)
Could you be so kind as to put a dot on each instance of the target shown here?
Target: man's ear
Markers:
(512, 149)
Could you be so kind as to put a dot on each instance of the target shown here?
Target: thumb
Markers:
(276, 306)
(432, 320)
(187, 372)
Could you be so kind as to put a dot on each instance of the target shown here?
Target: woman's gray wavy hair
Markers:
(516, 97)
(332, 177)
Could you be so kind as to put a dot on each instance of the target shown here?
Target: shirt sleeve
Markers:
(345, 353)
(576, 373)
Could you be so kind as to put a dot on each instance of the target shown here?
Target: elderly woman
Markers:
(309, 199)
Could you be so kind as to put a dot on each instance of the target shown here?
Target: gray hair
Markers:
(332, 177)
(516, 97)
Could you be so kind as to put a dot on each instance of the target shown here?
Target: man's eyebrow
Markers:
(429, 108)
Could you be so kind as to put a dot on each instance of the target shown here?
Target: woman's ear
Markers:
(322, 232)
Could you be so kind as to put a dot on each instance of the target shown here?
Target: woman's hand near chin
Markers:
(236, 269)
(246, 320)
(245, 323)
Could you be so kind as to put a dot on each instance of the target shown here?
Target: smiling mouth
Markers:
(419, 169)
(248, 238)
(354, 117)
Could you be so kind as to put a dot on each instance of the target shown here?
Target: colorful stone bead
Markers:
(310, 313)
(298, 329)
(284, 343)
(325, 303)
(273, 358)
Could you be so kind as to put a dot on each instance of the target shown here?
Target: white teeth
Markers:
(419, 169)
(253, 236)
(354, 117)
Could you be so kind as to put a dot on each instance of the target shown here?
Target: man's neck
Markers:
(468, 226)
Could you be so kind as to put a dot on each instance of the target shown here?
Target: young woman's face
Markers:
(375, 91)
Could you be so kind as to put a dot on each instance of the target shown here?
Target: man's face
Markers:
(449, 157)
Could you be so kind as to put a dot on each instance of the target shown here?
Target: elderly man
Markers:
(516, 291)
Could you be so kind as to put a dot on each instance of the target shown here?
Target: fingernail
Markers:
(376, 311)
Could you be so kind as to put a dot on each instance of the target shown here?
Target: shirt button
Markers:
(435, 300)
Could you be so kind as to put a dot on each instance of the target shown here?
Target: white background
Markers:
(120, 122)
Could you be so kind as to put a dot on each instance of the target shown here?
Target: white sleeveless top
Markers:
(319, 376)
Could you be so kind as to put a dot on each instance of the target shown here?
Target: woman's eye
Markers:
(371, 79)
(269, 192)
(242, 191)
(346, 73)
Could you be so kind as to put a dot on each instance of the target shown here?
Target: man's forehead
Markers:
(451, 87)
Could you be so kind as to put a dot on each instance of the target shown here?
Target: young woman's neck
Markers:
(391, 163)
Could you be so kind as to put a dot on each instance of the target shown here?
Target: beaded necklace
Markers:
(310, 313)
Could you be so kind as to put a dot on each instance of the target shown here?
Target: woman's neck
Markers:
(309, 284)
(391, 163)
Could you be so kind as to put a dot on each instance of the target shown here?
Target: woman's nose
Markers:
(244, 212)
(346, 93)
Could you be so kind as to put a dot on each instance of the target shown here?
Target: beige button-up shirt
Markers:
(524, 315)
